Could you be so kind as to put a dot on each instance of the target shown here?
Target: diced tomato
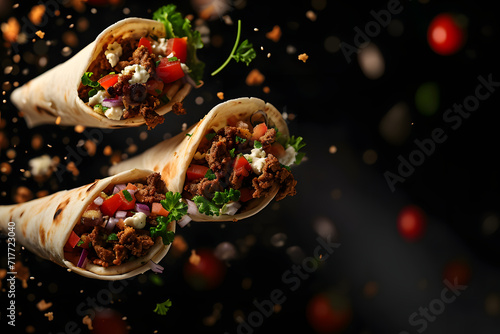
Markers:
(154, 87)
(73, 239)
(276, 149)
(126, 205)
(111, 204)
(242, 166)
(159, 210)
(108, 80)
(195, 172)
(144, 41)
(178, 46)
(259, 130)
(169, 71)
(246, 194)
(130, 186)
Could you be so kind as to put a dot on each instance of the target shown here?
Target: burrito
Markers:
(135, 72)
(230, 164)
(112, 229)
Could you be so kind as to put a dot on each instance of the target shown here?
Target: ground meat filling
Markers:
(220, 154)
(130, 242)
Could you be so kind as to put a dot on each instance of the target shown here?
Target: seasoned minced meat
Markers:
(153, 191)
(274, 174)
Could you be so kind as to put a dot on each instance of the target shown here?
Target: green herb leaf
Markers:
(297, 144)
(80, 242)
(210, 175)
(286, 167)
(173, 59)
(244, 52)
(86, 81)
(240, 140)
(206, 206)
(210, 136)
(231, 152)
(164, 99)
(157, 63)
(228, 195)
(189, 134)
(173, 204)
(163, 308)
(161, 230)
(112, 237)
(257, 144)
(127, 195)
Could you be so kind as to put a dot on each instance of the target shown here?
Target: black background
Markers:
(334, 103)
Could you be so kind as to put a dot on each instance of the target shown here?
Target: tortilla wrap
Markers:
(44, 225)
(172, 157)
(54, 93)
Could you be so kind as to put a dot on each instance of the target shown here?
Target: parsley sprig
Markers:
(243, 52)
(213, 207)
(162, 308)
(177, 209)
(86, 81)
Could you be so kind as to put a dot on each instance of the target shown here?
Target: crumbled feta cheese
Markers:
(114, 113)
(113, 53)
(289, 157)
(140, 75)
(159, 47)
(256, 159)
(199, 156)
(98, 97)
(40, 166)
(137, 221)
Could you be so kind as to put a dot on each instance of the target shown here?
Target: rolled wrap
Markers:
(44, 225)
(172, 157)
(55, 93)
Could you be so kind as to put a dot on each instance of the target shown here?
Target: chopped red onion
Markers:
(98, 201)
(192, 208)
(155, 267)
(184, 220)
(140, 207)
(109, 103)
(118, 188)
(189, 80)
(231, 208)
(121, 214)
(83, 257)
(111, 224)
(131, 191)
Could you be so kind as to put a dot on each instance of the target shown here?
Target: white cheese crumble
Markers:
(256, 159)
(137, 221)
(113, 53)
(140, 75)
(289, 157)
(114, 113)
(40, 166)
(159, 47)
(98, 97)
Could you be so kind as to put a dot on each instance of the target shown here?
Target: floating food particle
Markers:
(311, 15)
(5, 168)
(266, 89)
(79, 128)
(23, 194)
(49, 315)
(42, 305)
(72, 168)
(10, 30)
(91, 147)
(40, 34)
(303, 57)
(194, 259)
(275, 34)
(255, 78)
(58, 120)
(220, 95)
(107, 151)
(36, 14)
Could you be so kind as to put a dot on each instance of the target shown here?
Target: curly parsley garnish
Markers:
(213, 207)
(162, 308)
(244, 52)
(177, 209)
(210, 175)
(86, 81)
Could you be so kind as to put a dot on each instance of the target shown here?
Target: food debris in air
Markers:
(36, 14)
(107, 150)
(5, 168)
(266, 89)
(11, 29)
(303, 57)
(179, 246)
(42, 305)
(71, 166)
(22, 272)
(311, 15)
(220, 95)
(79, 128)
(40, 34)
(58, 120)
(194, 259)
(275, 34)
(23, 194)
(91, 147)
(87, 321)
(255, 78)
(49, 315)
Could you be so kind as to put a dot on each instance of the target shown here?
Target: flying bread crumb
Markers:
(194, 259)
(266, 89)
(42, 305)
(49, 315)
(58, 120)
(220, 95)
(254, 78)
(275, 34)
(40, 34)
(107, 151)
(311, 15)
(87, 321)
(11, 29)
(36, 14)
(303, 57)
(79, 128)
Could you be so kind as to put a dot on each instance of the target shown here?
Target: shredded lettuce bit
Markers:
(178, 26)
(161, 231)
(297, 144)
(214, 206)
(162, 308)
(241, 53)
(210, 175)
(86, 81)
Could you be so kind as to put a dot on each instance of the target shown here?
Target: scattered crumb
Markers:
(37, 142)
(178, 108)
(11, 29)
(49, 315)
(303, 57)
(5, 168)
(311, 15)
(40, 34)
(107, 151)
(42, 305)
(266, 89)
(275, 34)
(42, 193)
(71, 166)
(23, 194)
(91, 147)
(194, 259)
(132, 149)
(87, 321)
(255, 78)
(58, 120)
(220, 95)
(179, 245)
(79, 128)
(36, 14)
